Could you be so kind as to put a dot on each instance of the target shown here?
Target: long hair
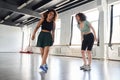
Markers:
(45, 15)
(82, 16)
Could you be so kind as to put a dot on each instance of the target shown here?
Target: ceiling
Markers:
(25, 12)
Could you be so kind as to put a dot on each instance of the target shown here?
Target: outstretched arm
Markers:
(37, 27)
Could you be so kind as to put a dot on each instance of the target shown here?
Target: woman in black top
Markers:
(46, 36)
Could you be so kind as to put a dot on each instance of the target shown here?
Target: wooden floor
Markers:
(16, 66)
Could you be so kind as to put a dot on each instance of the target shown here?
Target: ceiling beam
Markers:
(49, 4)
(23, 11)
(41, 7)
(70, 5)
(22, 18)
(10, 23)
(46, 5)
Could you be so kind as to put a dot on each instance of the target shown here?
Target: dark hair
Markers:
(50, 10)
(82, 16)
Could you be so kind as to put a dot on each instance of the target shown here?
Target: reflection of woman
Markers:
(46, 36)
(87, 39)
(42, 76)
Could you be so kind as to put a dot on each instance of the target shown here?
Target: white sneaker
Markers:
(82, 67)
(46, 66)
(87, 68)
(42, 69)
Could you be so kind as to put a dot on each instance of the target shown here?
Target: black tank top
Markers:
(47, 25)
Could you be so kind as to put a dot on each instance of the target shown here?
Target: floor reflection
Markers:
(87, 75)
(42, 74)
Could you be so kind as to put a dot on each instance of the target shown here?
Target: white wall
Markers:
(10, 38)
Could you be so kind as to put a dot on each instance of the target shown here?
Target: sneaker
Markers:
(87, 68)
(46, 66)
(42, 69)
(82, 67)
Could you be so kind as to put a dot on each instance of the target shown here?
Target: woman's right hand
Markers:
(95, 39)
(33, 37)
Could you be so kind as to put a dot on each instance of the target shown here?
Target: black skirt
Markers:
(44, 39)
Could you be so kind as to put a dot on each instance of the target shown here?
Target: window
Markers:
(26, 37)
(116, 24)
(92, 17)
(76, 35)
(57, 32)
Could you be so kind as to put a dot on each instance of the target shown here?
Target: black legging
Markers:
(88, 41)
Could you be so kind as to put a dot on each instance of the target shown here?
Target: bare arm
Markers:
(95, 38)
(37, 27)
(53, 31)
(81, 36)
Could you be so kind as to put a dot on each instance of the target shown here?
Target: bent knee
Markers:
(89, 52)
(82, 51)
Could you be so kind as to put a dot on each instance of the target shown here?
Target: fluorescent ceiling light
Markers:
(24, 20)
(25, 4)
(8, 16)
(17, 24)
(21, 6)
(43, 12)
(62, 3)
(2, 21)
(31, 19)
(28, 2)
